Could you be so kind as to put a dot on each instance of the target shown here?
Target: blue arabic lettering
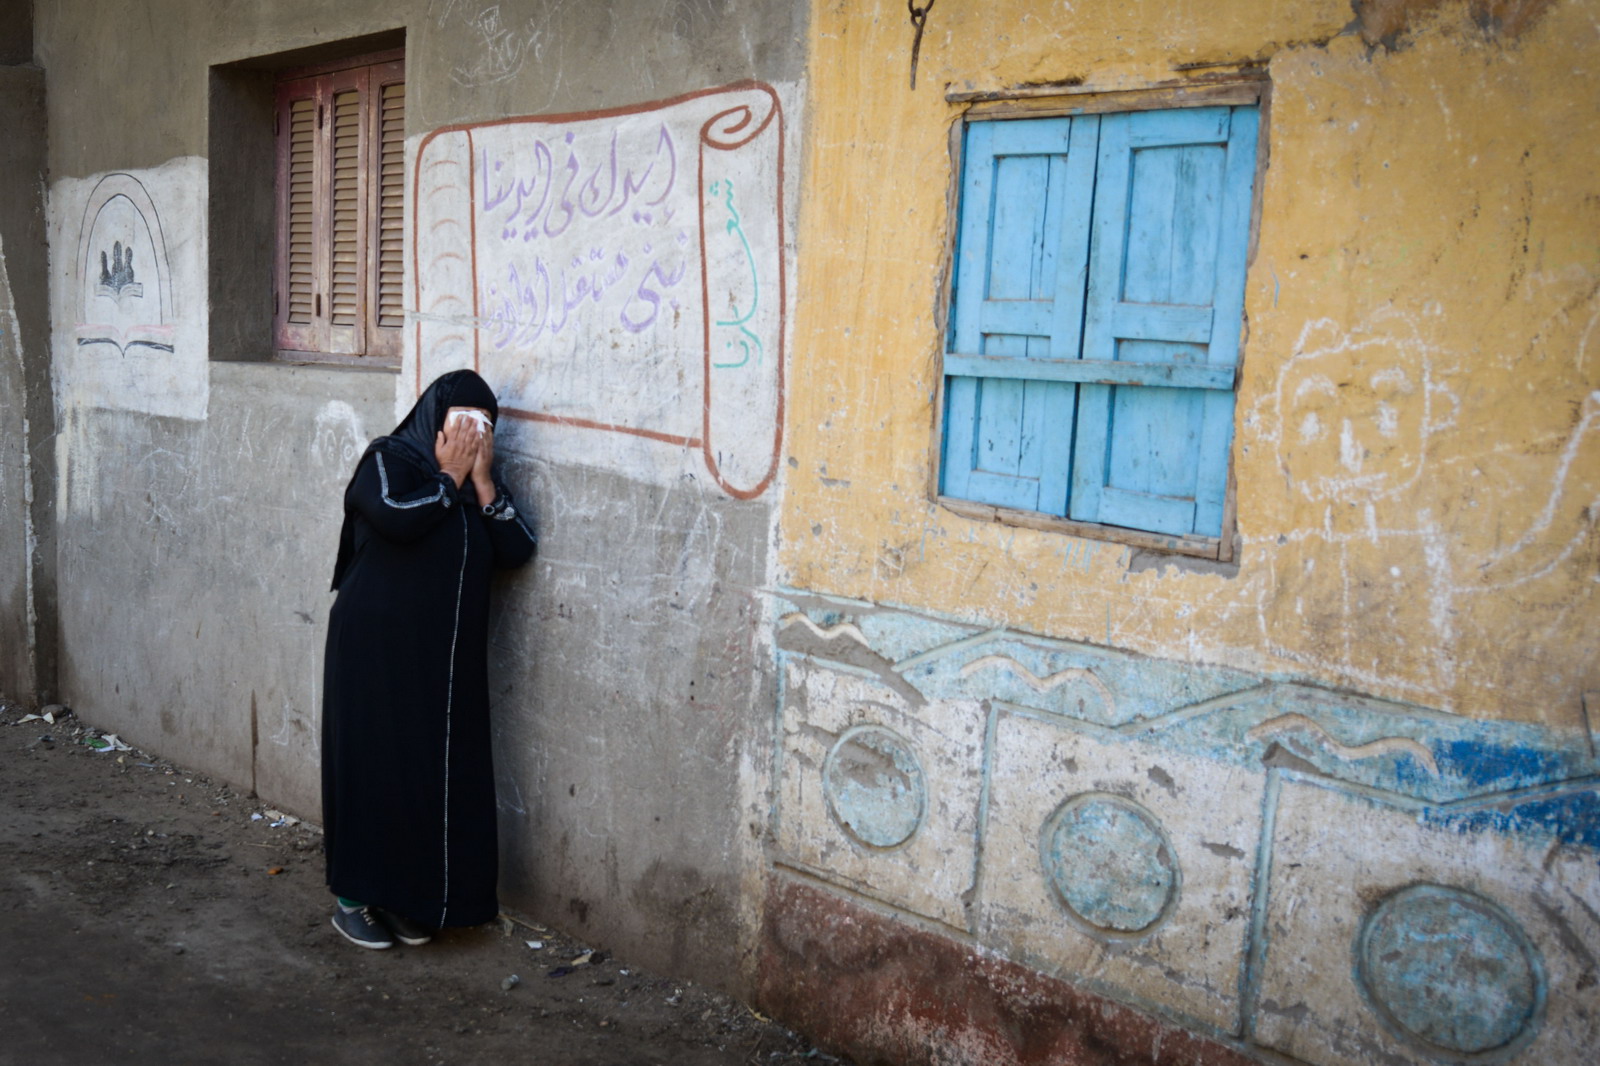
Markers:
(748, 338)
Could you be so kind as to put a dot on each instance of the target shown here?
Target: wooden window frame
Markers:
(363, 339)
(1244, 89)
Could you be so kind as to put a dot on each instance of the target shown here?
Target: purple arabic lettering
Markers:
(630, 186)
(503, 322)
(544, 304)
(650, 296)
(490, 199)
(566, 308)
(565, 204)
(590, 202)
(519, 315)
(543, 165)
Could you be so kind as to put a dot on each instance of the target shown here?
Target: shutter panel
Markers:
(391, 197)
(1027, 188)
(386, 213)
(339, 272)
(296, 324)
(346, 241)
(302, 145)
(1166, 287)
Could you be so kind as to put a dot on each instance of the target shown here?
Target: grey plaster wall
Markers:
(628, 693)
(139, 72)
(195, 564)
(27, 422)
(199, 512)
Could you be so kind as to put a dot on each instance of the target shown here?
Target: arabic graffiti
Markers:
(747, 340)
(590, 201)
(610, 206)
(500, 46)
(617, 271)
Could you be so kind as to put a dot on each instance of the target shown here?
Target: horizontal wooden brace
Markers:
(1091, 371)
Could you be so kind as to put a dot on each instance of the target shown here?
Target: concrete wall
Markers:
(1037, 789)
(27, 417)
(199, 482)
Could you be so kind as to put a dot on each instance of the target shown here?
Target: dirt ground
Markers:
(150, 915)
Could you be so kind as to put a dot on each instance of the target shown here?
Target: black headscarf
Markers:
(413, 439)
(421, 425)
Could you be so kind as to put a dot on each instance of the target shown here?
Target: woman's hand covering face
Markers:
(483, 468)
(456, 448)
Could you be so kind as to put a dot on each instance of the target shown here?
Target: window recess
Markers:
(1096, 308)
(340, 185)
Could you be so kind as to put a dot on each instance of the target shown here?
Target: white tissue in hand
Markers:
(475, 416)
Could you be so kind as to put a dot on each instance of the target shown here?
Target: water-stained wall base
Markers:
(886, 990)
(1195, 842)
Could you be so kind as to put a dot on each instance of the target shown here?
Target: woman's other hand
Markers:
(456, 450)
(483, 468)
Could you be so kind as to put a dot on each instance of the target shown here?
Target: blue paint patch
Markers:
(1572, 819)
(1451, 971)
(1110, 863)
(874, 786)
(1480, 765)
(1077, 682)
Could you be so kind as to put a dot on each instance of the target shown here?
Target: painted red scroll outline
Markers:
(501, 190)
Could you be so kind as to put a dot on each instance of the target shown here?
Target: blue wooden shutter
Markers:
(1022, 249)
(1166, 299)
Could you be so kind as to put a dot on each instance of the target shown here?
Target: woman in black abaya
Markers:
(407, 784)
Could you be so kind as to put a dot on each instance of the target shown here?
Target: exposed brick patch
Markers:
(886, 992)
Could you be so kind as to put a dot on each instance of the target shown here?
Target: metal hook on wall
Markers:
(919, 15)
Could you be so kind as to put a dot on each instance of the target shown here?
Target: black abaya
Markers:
(407, 781)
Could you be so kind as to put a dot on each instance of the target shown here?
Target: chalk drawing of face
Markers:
(1355, 412)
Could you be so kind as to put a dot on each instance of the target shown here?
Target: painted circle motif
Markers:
(1110, 863)
(874, 786)
(1450, 970)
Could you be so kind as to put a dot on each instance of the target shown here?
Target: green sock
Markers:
(349, 904)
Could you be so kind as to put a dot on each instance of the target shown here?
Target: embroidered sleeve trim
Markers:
(383, 482)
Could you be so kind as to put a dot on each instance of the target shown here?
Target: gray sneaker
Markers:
(361, 928)
(404, 929)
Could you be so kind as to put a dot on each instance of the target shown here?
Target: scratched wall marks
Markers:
(1198, 842)
(619, 273)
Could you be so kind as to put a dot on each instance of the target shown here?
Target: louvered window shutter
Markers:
(1023, 243)
(295, 291)
(341, 186)
(388, 262)
(346, 245)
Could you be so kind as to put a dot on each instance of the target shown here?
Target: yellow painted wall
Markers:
(1417, 446)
